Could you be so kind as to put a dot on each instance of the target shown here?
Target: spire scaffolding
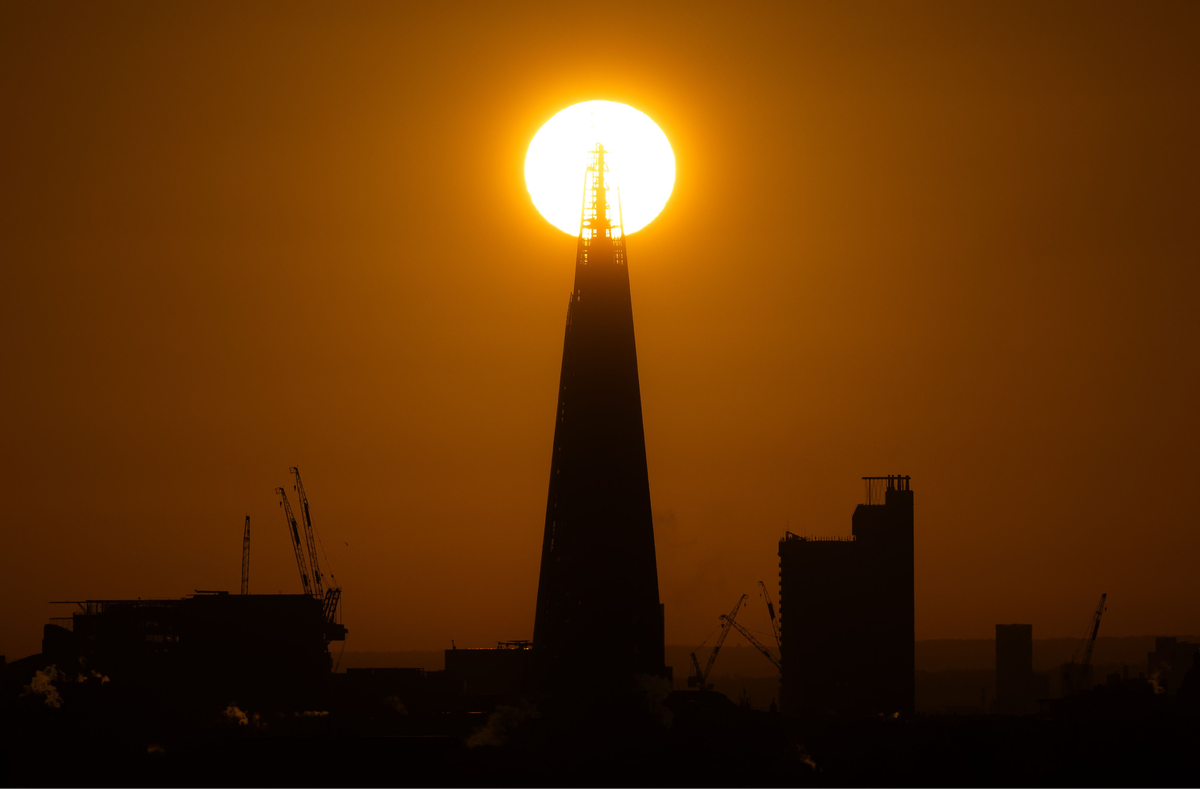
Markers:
(597, 230)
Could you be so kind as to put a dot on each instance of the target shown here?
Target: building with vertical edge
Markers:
(270, 651)
(1016, 692)
(847, 611)
(598, 618)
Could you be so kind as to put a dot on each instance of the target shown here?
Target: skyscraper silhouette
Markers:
(599, 621)
(847, 607)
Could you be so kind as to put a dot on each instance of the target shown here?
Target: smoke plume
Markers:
(654, 692)
(235, 715)
(43, 685)
(500, 724)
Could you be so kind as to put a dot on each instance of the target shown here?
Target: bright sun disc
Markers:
(640, 161)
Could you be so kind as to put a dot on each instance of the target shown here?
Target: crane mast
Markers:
(1073, 669)
(295, 534)
(1095, 630)
(771, 612)
(699, 679)
(246, 558)
(318, 586)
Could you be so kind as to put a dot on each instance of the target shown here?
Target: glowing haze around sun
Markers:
(640, 162)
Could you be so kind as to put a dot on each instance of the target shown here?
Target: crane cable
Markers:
(705, 641)
(328, 563)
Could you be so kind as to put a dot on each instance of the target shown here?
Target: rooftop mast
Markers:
(246, 558)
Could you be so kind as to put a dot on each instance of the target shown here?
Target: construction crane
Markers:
(291, 520)
(329, 609)
(755, 642)
(333, 594)
(246, 558)
(314, 565)
(1095, 628)
(1070, 671)
(699, 677)
(771, 611)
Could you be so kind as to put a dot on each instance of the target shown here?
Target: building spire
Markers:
(601, 234)
(599, 574)
(597, 219)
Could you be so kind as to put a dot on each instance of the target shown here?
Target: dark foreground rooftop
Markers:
(94, 741)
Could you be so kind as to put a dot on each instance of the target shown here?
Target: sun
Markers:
(640, 161)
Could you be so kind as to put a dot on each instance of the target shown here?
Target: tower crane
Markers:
(755, 642)
(771, 611)
(1070, 671)
(246, 558)
(318, 586)
(291, 520)
(699, 677)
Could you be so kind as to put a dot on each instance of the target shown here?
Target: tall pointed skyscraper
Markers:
(599, 621)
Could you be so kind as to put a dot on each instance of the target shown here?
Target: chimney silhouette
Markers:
(598, 618)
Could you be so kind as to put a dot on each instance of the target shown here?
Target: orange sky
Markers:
(947, 240)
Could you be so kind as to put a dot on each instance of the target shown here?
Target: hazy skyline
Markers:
(955, 242)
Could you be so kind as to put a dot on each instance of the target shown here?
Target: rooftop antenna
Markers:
(246, 558)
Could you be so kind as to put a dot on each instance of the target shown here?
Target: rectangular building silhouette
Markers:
(847, 629)
(1016, 688)
(210, 648)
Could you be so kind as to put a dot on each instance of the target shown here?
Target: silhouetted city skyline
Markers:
(868, 250)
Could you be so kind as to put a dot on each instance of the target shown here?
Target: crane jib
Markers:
(313, 561)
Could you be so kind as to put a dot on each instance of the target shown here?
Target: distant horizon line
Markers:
(1183, 636)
